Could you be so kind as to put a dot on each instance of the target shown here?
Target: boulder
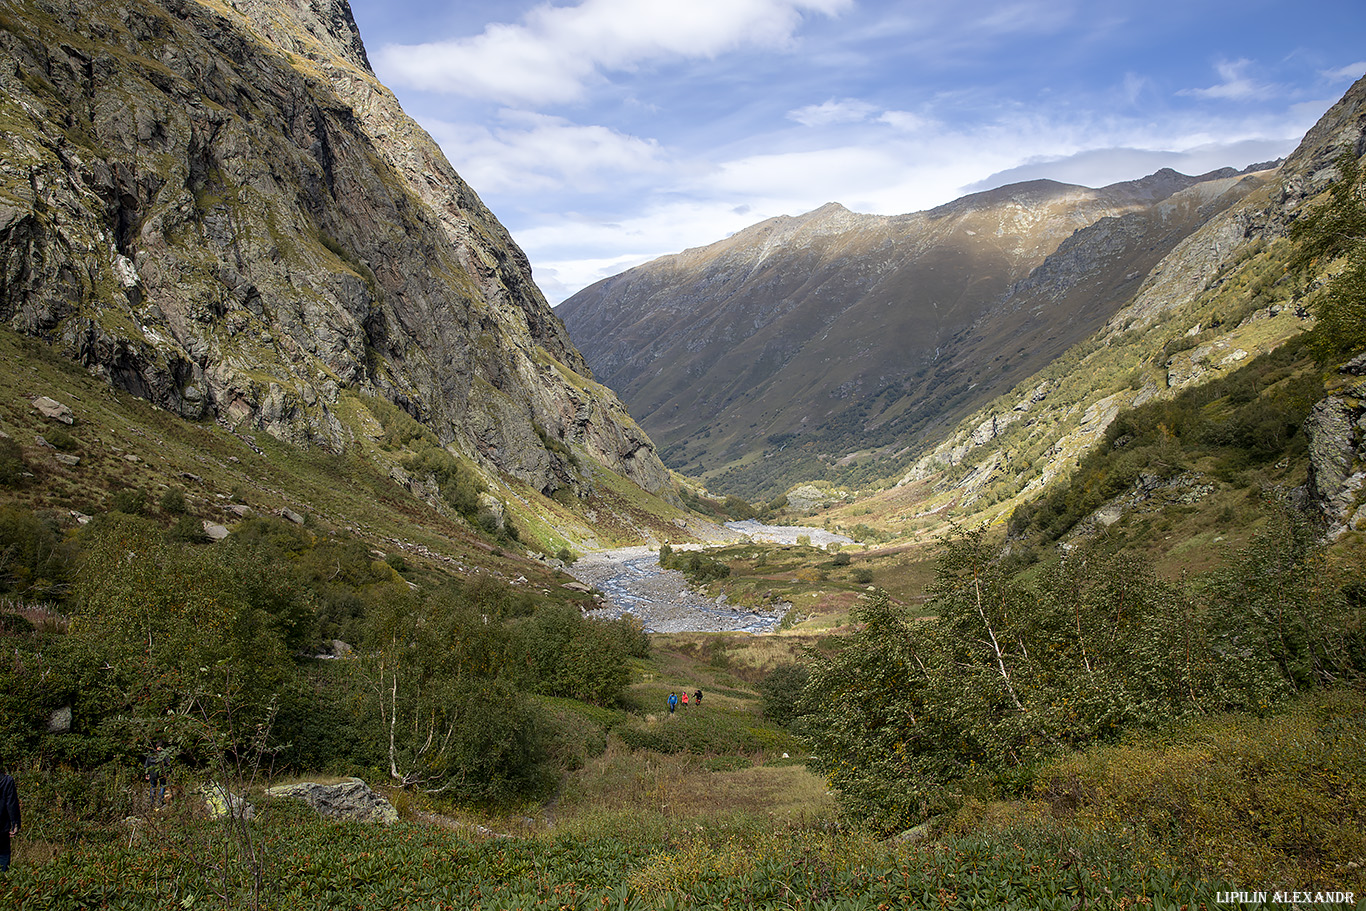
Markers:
(349, 799)
(215, 531)
(491, 514)
(1336, 458)
(60, 721)
(51, 408)
(219, 802)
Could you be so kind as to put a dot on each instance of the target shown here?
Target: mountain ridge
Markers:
(829, 303)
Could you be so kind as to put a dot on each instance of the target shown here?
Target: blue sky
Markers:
(605, 133)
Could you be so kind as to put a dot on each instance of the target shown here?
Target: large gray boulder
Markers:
(349, 799)
(1337, 458)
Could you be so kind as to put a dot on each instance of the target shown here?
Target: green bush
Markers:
(173, 501)
(781, 691)
(129, 501)
(459, 485)
(557, 652)
(36, 561)
(710, 731)
(696, 566)
(1011, 673)
(12, 464)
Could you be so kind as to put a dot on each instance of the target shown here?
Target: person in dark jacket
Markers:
(9, 816)
(156, 770)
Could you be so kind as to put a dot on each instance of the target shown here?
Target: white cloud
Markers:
(564, 252)
(539, 153)
(1349, 73)
(848, 110)
(1236, 85)
(1134, 88)
(906, 122)
(555, 51)
(1101, 167)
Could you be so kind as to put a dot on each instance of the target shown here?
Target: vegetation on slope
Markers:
(1164, 820)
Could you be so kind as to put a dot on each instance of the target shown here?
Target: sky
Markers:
(606, 133)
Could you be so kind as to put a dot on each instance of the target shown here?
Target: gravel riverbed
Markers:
(632, 581)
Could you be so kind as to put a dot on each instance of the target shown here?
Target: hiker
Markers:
(9, 815)
(673, 702)
(685, 699)
(155, 771)
(697, 697)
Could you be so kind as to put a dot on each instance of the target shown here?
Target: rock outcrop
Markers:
(220, 209)
(1336, 429)
(350, 799)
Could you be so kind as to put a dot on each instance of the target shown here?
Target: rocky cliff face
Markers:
(813, 339)
(218, 207)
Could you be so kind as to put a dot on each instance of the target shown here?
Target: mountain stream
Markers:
(632, 581)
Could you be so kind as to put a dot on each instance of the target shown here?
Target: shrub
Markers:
(698, 567)
(173, 501)
(188, 529)
(33, 560)
(60, 439)
(781, 691)
(557, 652)
(12, 464)
(129, 501)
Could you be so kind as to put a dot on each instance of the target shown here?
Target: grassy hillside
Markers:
(386, 489)
(720, 818)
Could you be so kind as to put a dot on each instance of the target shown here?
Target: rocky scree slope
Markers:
(218, 207)
(807, 340)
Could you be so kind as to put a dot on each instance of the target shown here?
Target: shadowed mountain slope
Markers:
(794, 345)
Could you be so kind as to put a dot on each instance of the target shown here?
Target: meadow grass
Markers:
(720, 820)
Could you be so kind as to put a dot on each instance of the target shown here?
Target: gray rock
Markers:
(915, 835)
(60, 721)
(1355, 367)
(51, 408)
(67, 458)
(1335, 460)
(215, 531)
(219, 802)
(491, 512)
(292, 516)
(350, 799)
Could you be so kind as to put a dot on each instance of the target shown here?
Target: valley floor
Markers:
(633, 582)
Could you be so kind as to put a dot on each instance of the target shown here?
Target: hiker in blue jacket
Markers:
(673, 702)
